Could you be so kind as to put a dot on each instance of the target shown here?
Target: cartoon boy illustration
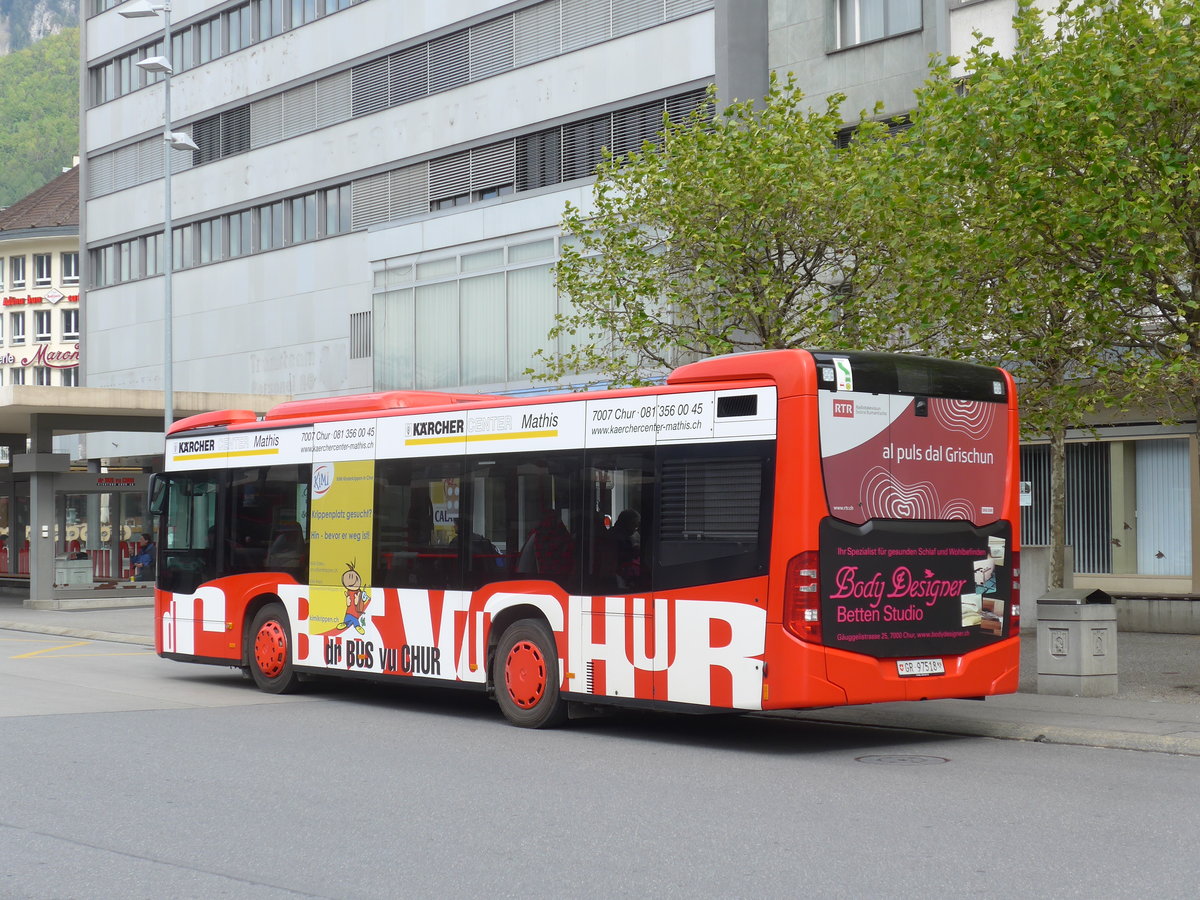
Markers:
(356, 600)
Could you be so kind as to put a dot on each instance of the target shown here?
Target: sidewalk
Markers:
(1157, 707)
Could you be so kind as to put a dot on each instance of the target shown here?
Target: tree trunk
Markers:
(1058, 505)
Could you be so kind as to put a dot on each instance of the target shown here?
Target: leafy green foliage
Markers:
(1063, 233)
(1043, 213)
(39, 105)
(744, 229)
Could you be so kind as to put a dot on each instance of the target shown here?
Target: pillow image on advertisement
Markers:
(971, 610)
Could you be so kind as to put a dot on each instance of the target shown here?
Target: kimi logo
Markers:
(322, 480)
(843, 409)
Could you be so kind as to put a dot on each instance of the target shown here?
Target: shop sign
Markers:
(55, 359)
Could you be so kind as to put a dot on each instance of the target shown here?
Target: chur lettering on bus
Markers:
(649, 648)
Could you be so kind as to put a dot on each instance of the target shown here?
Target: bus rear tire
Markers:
(526, 677)
(271, 651)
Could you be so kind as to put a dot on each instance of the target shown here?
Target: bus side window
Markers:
(715, 513)
(417, 505)
(619, 498)
(483, 526)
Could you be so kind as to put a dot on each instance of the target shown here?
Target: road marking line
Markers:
(50, 649)
(86, 655)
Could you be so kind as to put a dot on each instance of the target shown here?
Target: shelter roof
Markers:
(75, 410)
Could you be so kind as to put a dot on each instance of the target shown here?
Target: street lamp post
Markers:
(172, 140)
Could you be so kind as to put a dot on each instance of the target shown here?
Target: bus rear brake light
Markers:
(802, 600)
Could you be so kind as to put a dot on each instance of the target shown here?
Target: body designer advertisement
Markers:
(894, 588)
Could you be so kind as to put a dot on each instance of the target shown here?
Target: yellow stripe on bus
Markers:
(191, 457)
(464, 438)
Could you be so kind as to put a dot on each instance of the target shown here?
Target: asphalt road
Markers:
(128, 776)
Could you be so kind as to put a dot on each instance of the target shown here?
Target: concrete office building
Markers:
(375, 199)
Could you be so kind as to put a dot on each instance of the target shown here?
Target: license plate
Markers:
(918, 667)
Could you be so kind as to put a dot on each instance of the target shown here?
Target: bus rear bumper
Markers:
(980, 673)
(853, 679)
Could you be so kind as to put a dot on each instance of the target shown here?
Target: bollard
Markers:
(1077, 644)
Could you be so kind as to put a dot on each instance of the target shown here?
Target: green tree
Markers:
(742, 229)
(39, 105)
(1064, 236)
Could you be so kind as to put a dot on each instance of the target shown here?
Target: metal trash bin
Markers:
(1077, 644)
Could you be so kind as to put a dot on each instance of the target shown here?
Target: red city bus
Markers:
(773, 530)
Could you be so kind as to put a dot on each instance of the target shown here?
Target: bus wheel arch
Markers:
(268, 647)
(525, 673)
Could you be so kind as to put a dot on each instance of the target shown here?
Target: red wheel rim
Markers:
(270, 648)
(525, 674)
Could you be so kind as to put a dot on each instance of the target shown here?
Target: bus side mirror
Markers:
(157, 501)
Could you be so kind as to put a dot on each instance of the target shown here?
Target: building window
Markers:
(1, 271)
(183, 50)
(461, 322)
(304, 218)
(70, 268)
(16, 376)
(337, 211)
(859, 21)
(208, 40)
(69, 377)
(184, 247)
(238, 226)
(41, 326)
(268, 18)
(42, 275)
(151, 249)
(270, 226)
(1154, 487)
(212, 244)
(17, 327)
(16, 266)
(70, 324)
(41, 375)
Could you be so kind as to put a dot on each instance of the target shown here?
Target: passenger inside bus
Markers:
(288, 552)
(549, 550)
(628, 542)
(483, 557)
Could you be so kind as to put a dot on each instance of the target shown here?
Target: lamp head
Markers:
(156, 64)
(142, 9)
(180, 140)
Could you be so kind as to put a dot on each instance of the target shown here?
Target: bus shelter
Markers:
(71, 527)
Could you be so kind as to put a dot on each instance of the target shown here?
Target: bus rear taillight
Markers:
(1014, 621)
(802, 597)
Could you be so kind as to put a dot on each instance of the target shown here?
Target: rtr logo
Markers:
(843, 409)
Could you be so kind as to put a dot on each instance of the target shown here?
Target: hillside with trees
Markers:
(25, 22)
(39, 105)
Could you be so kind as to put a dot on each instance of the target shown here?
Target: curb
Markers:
(1015, 731)
(82, 633)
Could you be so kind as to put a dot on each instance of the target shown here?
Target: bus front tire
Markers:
(526, 677)
(270, 651)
